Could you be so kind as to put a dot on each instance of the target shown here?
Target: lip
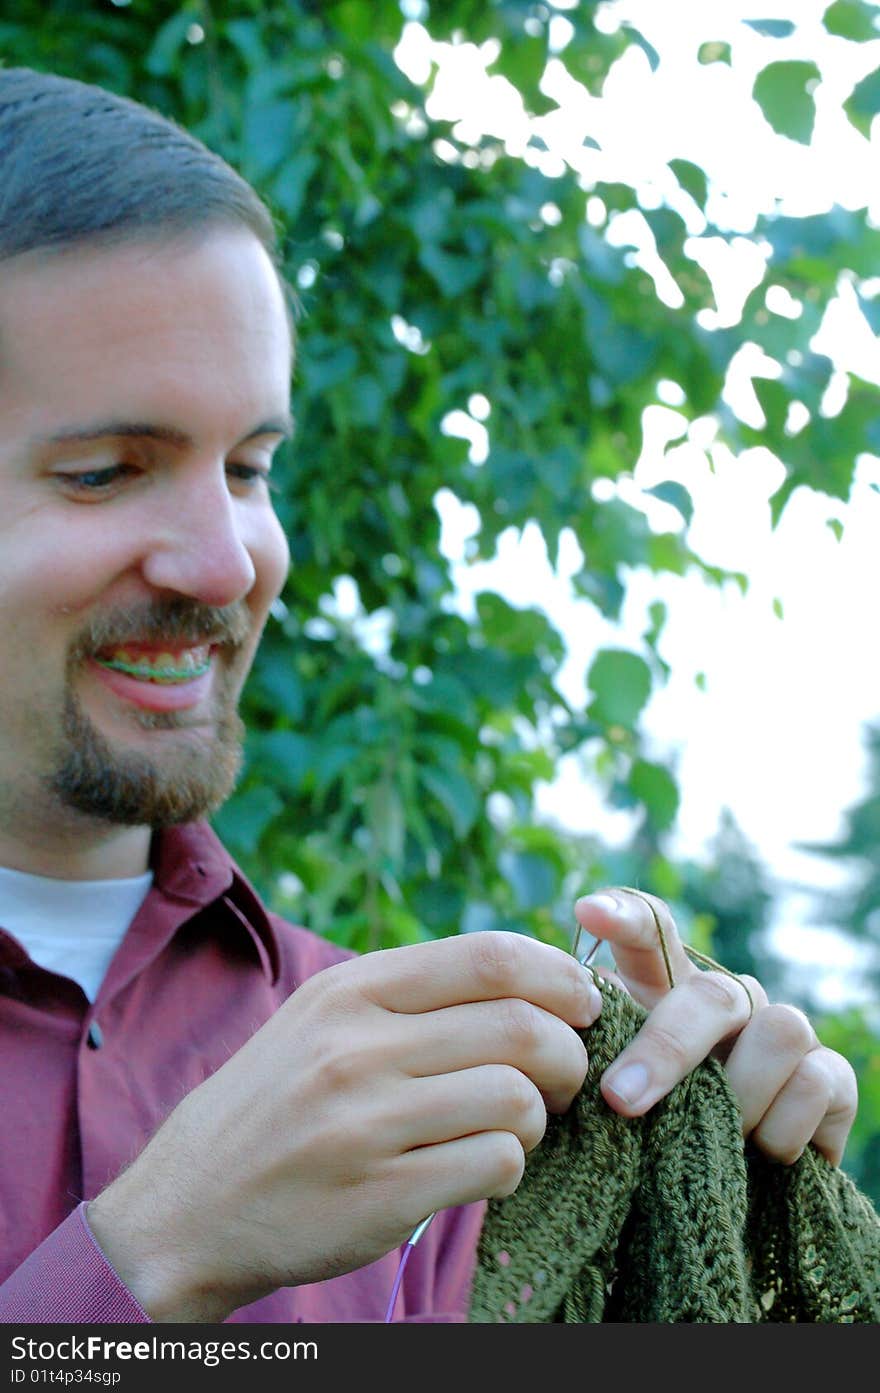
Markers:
(153, 696)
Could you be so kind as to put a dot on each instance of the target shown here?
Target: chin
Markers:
(135, 787)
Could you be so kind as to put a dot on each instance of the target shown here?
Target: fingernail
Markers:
(629, 1084)
(607, 903)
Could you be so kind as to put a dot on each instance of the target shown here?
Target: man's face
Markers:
(138, 562)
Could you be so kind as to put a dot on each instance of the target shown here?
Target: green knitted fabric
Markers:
(669, 1218)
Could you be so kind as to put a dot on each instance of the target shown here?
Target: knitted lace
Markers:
(669, 1217)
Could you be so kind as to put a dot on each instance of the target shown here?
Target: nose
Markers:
(197, 546)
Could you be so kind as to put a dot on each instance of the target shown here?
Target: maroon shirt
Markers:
(84, 1087)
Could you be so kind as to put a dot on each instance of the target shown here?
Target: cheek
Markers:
(50, 573)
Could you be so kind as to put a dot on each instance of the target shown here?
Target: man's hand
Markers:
(385, 1088)
(791, 1089)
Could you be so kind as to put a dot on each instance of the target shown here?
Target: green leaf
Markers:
(244, 35)
(641, 42)
(692, 178)
(654, 786)
(815, 248)
(242, 821)
(771, 28)
(386, 819)
(327, 370)
(479, 917)
(871, 310)
(836, 527)
(522, 61)
(778, 608)
(533, 878)
(282, 756)
(714, 52)
(677, 495)
(454, 274)
(454, 794)
(353, 19)
(621, 682)
(269, 135)
(863, 102)
(783, 91)
(292, 181)
(162, 58)
(774, 401)
(526, 631)
(328, 763)
(439, 904)
(850, 19)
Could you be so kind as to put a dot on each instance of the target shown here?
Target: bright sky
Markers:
(776, 736)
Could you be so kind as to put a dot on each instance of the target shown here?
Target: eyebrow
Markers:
(148, 430)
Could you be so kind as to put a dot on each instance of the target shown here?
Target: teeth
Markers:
(160, 667)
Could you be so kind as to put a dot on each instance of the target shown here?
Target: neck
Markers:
(118, 853)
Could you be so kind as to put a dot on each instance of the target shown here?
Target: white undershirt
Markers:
(72, 927)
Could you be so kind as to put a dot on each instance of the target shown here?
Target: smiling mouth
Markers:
(165, 667)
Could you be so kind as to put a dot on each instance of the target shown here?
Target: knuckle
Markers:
(508, 1164)
(520, 1025)
(327, 993)
(666, 1046)
(719, 990)
(523, 1106)
(811, 1077)
(785, 1028)
(518, 1091)
(663, 912)
(338, 1072)
(534, 1134)
(495, 960)
(755, 989)
(649, 906)
(576, 981)
(846, 1103)
(784, 1150)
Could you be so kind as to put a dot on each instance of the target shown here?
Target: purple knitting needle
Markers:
(404, 1259)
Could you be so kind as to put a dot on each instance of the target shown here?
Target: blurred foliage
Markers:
(855, 912)
(389, 788)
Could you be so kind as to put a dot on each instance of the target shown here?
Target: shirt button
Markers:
(95, 1037)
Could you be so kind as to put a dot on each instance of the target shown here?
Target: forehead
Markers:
(186, 325)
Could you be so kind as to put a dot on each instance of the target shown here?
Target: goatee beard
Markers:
(197, 773)
(133, 790)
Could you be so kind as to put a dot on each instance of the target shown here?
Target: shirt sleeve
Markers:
(67, 1280)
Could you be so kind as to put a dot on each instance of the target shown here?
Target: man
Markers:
(210, 1114)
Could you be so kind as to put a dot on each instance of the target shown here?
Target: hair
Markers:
(80, 164)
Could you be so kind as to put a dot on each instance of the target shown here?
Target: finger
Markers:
(796, 1111)
(758, 999)
(830, 1137)
(476, 967)
(484, 1165)
(682, 1029)
(764, 1057)
(817, 1103)
(510, 1032)
(642, 935)
(491, 1098)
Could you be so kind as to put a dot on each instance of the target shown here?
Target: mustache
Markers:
(172, 622)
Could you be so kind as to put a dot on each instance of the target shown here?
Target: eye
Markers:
(97, 481)
(251, 475)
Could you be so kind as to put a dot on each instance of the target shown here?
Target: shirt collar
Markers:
(191, 865)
